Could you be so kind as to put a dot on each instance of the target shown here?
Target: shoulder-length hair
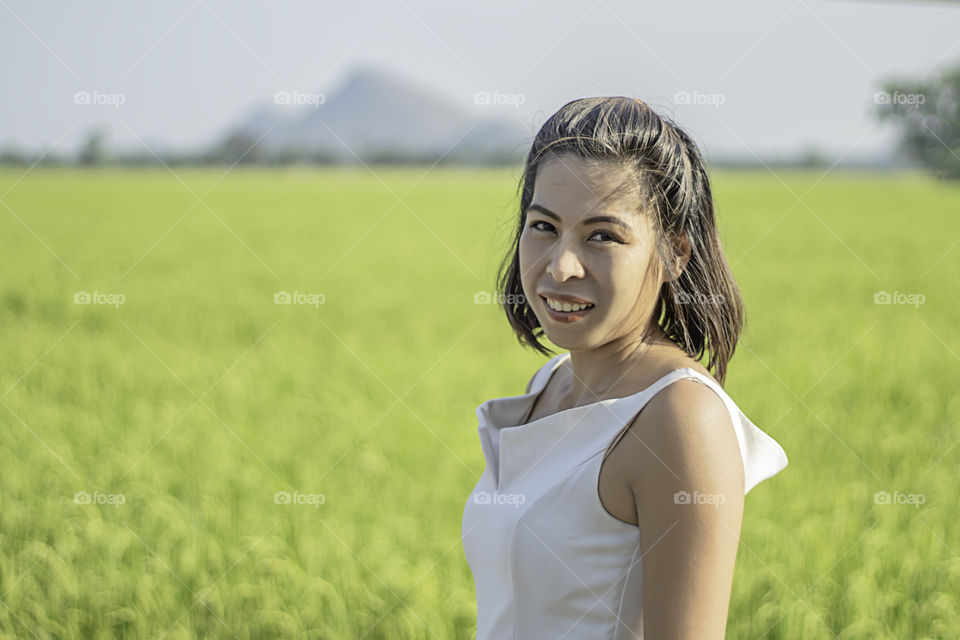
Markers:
(701, 310)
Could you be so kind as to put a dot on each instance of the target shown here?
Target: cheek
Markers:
(530, 253)
(627, 279)
(527, 272)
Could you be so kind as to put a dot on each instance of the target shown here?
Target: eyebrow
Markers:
(542, 209)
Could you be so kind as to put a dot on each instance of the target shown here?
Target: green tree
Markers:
(927, 114)
(93, 151)
(239, 148)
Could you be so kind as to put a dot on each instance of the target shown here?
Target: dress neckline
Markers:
(536, 393)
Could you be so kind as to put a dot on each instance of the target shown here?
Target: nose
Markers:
(564, 263)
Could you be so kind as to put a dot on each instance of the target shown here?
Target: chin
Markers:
(571, 340)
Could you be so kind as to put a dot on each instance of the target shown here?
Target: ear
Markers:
(682, 248)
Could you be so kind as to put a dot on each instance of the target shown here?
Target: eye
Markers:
(611, 237)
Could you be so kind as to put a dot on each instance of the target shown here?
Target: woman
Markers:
(612, 498)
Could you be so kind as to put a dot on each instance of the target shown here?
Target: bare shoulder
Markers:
(686, 478)
(684, 436)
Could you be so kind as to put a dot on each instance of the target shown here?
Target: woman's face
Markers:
(574, 243)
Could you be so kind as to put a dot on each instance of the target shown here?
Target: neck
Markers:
(598, 371)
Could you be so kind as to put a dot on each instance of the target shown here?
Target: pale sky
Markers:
(771, 77)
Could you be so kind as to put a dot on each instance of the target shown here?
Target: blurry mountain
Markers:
(376, 115)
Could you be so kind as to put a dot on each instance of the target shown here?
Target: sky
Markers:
(764, 78)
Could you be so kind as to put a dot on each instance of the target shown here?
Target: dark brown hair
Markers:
(701, 310)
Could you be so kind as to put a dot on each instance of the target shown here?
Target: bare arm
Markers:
(687, 484)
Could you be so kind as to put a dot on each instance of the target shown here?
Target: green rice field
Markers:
(240, 403)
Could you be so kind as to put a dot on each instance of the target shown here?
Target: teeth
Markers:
(566, 306)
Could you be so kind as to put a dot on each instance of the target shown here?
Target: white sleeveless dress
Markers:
(548, 560)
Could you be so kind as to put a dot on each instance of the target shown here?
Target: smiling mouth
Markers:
(566, 307)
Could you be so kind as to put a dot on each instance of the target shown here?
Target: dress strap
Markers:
(647, 394)
(544, 373)
(540, 380)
